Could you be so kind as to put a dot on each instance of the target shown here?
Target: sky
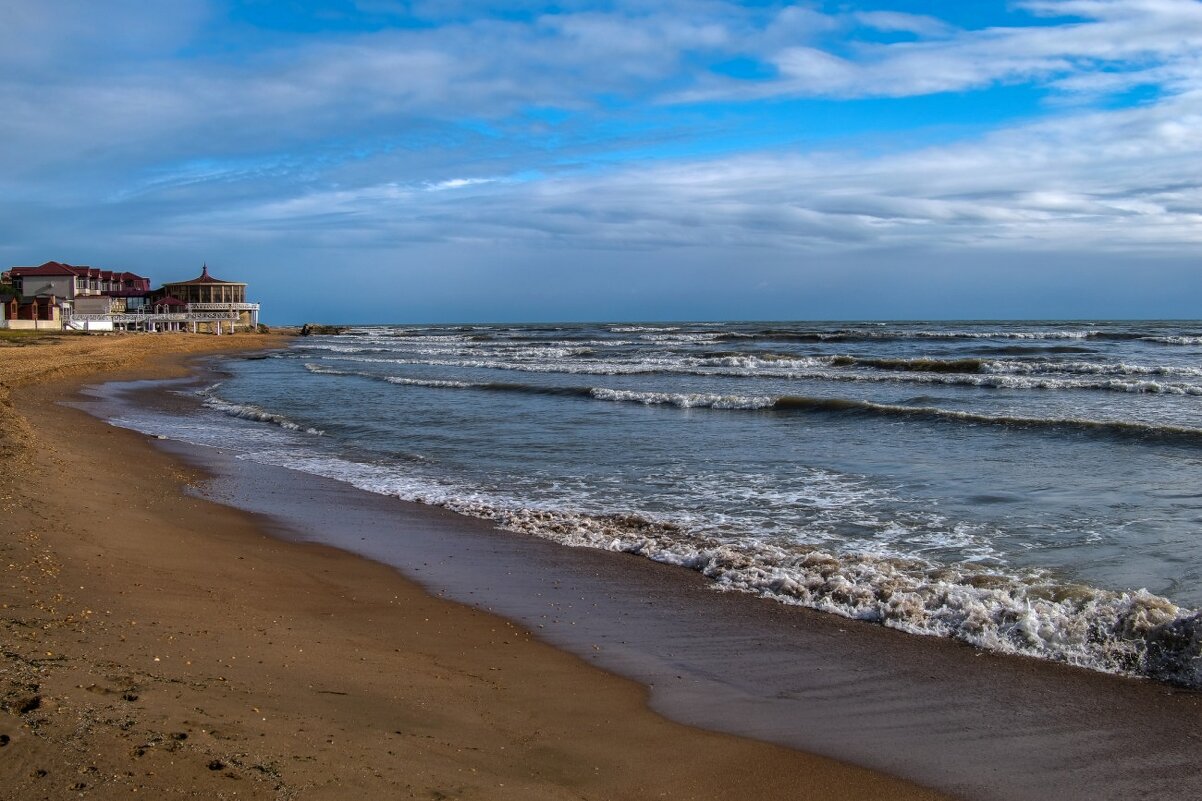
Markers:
(382, 161)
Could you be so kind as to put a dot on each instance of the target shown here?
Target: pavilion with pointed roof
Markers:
(208, 295)
(204, 288)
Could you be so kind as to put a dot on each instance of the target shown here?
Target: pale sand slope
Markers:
(162, 645)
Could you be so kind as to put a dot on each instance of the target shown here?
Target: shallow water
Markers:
(1026, 487)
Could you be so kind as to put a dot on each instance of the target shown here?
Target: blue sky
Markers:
(410, 160)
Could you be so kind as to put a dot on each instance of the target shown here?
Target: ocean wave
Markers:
(679, 400)
(433, 383)
(248, 411)
(338, 347)
(918, 365)
(511, 351)
(1118, 428)
(1032, 382)
(1132, 633)
(1118, 370)
(880, 333)
(798, 404)
(894, 335)
(559, 356)
(1025, 349)
(1013, 366)
(491, 386)
(828, 369)
(1088, 368)
(421, 382)
(684, 400)
(422, 336)
(577, 368)
(706, 336)
(1175, 340)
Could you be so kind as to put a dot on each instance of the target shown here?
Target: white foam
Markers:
(684, 400)
(432, 383)
(1174, 340)
(1089, 368)
(249, 411)
(1132, 633)
(996, 375)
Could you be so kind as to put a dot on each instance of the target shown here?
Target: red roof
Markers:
(203, 278)
(58, 268)
(49, 268)
(170, 301)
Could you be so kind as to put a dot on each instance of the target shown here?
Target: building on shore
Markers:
(46, 295)
(67, 282)
(206, 293)
(63, 296)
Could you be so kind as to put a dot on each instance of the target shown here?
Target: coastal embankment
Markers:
(158, 643)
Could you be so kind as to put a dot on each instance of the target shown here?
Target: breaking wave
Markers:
(887, 334)
(981, 373)
(1130, 633)
(1089, 368)
(1174, 340)
(248, 411)
(795, 404)
(685, 400)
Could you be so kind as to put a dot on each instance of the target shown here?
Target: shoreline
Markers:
(975, 724)
(202, 656)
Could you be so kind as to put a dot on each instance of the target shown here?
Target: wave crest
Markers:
(248, 411)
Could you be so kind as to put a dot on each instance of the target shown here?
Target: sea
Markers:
(1027, 487)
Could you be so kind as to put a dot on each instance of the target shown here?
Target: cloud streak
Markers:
(1127, 180)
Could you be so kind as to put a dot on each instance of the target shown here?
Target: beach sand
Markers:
(156, 643)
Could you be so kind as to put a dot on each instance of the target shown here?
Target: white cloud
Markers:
(1126, 180)
(1141, 40)
(905, 23)
(307, 139)
(107, 84)
(457, 183)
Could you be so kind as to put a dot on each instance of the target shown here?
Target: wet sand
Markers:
(164, 644)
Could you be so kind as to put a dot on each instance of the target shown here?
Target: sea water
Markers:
(1027, 487)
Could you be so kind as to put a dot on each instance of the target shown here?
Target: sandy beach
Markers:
(156, 643)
